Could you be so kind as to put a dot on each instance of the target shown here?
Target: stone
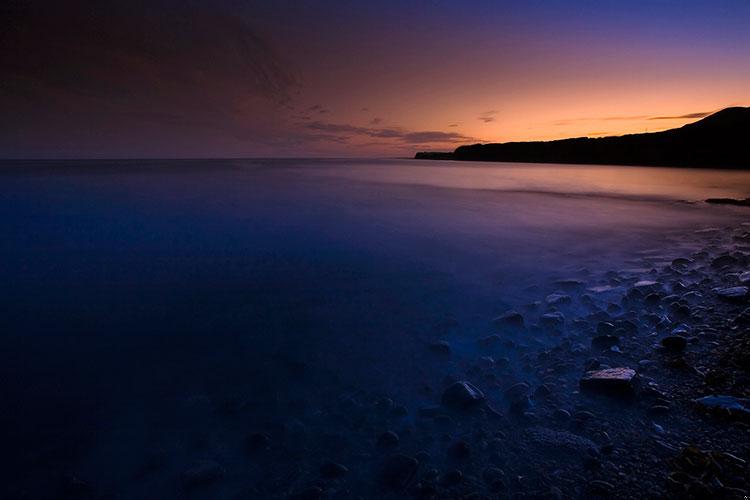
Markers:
(201, 473)
(724, 261)
(552, 320)
(732, 293)
(517, 390)
(452, 478)
(459, 450)
(490, 340)
(441, 347)
(674, 343)
(611, 381)
(397, 471)
(605, 328)
(510, 319)
(388, 439)
(725, 404)
(563, 441)
(557, 298)
(333, 470)
(462, 395)
(604, 342)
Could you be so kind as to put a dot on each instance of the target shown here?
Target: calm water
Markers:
(136, 292)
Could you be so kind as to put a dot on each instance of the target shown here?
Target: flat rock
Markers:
(560, 440)
(732, 293)
(462, 395)
(558, 299)
(552, 320)
(728, 404)
(611, 381)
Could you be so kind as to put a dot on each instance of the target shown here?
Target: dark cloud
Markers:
(376, 121)
(488, 116)
(396, 135)
(111, 73)
(700, 114)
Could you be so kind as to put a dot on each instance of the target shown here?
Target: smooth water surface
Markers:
(141, 299)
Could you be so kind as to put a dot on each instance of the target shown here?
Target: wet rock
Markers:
(559, 440)
(397, 471)
(441, 347)
(569, 284)
(452, 478)
(674, 343)
(557, 299)
(728, 405)
(490, 341)
(512, 319)
(603, 342)
(388, 439)
(333, 470)
(486, 362)
(561, 414)
(598, 487)
(605, 328)
(202, 473)
(462, 396)
(611, 381)
(724, 261)
(459, 450)
(733, 293)
(517, 390)
(554, 320)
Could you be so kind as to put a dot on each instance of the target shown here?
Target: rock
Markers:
(598, 487)
(552, 320)
(511, 318)
(645, 284)
(462, 396)
(561, 414)
(735, 407)
(603, 342)
(459, 450)
(452, 478)
(201, 473)
(556, 298)
(559, 440)
(569, 284)
(674, 343)
(605, 328)
(732, 293)
(388, 439)
(744, 277)
(441, 347)
(397, 471)
(517, 390)
(724, 261)
(333, 470)
(611, 381)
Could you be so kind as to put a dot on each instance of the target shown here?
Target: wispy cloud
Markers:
(700, 114)
(488, 116)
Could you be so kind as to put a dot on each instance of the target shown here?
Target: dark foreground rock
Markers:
(462, 396)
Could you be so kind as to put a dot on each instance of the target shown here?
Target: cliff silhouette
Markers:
(720, 140)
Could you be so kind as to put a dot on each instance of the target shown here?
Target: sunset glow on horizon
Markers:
(115, 79)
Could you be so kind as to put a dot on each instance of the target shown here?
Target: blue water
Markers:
(143, 301)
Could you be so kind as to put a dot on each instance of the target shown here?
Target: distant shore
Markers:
(717, 141)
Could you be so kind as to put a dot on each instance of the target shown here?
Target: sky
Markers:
(291, 78)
